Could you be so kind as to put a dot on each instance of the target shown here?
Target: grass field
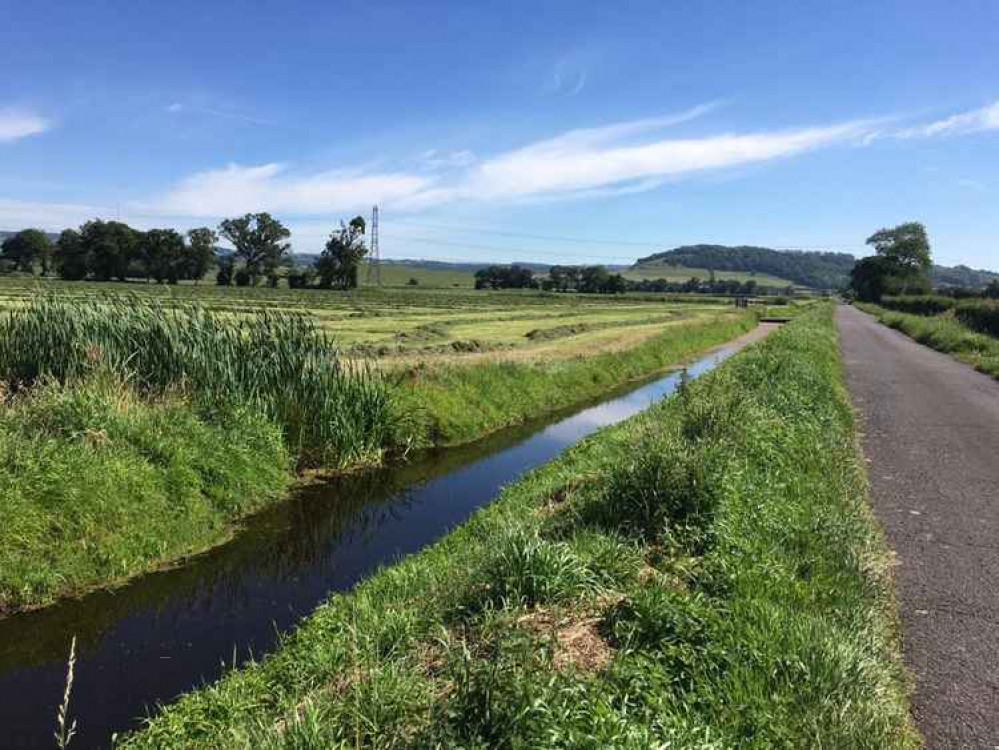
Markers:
(705, 575)
(682, 273)
(399, 275)
(423, 323)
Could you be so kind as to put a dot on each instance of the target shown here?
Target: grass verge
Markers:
(945, 334)
(98, 484)
(455, 403)
(705, 575)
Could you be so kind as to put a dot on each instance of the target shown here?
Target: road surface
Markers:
(931, 440)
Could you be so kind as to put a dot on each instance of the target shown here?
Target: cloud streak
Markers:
(975, 121)
(177, 107)
(617, 159)
(18, 123)
(236, 189)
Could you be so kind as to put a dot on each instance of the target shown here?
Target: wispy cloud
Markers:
(177, 108)
(617, 159)
(975, 121)
(19, 123)
(270, 187)
(589, 159)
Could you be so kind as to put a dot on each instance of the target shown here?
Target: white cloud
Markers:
(19, 123)
(237, 189)
(584, 160)
(975, 121)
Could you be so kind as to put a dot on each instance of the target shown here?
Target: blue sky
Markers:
(544, 131)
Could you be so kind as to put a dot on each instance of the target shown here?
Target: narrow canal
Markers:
(167, 632)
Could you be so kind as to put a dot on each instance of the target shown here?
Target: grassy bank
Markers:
(946, 334)
(705, 575)
(98, 484)
(455, 403)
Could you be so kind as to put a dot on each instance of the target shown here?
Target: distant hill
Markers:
(961, 276)
(812, 269)
(819, 270)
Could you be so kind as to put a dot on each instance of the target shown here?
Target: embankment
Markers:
(704, 575)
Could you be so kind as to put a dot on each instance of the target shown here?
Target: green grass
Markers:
(276, 363)
(946, 334)
(98, 484)
(458, 403)
(705, 575)
(395, 274)
(683, 273)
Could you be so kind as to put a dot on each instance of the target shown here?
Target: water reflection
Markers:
(170, 631)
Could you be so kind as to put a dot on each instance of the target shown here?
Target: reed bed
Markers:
(333, 414)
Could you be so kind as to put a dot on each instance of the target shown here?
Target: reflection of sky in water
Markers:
(164, 633)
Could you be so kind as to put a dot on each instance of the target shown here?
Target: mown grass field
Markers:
(705, 575)
(415, 323)
(177, 411)
(400, 275)
(683, 273)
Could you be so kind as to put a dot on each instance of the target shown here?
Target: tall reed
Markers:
(333, 413)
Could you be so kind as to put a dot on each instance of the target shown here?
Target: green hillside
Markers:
(819, 270)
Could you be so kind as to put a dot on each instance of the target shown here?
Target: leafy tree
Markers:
(227, 266)
(992, 290)
(504, 277)
(199, 252)
(871, 277)
(26, 248)
(111, 246)
(592, 279)
(163, 254)
(259, 242)
(72, 260)
(906, 245)
(340, 261)
(901, 264)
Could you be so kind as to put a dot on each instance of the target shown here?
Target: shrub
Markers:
(980, 315)
(919, 304)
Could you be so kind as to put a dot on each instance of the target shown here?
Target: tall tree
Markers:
(259, 242)
(27, 247)
(340, 262)
(111, 246)
(906, 245)
(72, 260)
(900, 265)
(162, 252)
(199, 252)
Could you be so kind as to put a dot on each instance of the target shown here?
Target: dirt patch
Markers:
(577, 641)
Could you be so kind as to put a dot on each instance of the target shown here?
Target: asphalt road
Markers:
(931, 440)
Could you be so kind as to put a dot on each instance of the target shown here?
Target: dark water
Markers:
(168, 632)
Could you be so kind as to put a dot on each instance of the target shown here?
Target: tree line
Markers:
(599, 280)
(113, 251)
